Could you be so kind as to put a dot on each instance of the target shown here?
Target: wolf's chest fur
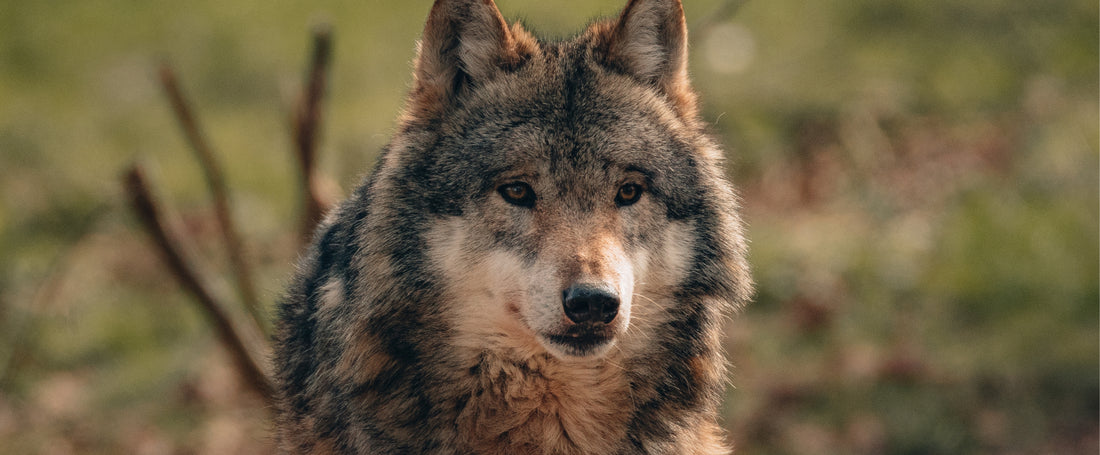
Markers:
(541, 406)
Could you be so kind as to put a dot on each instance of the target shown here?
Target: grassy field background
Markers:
(920, 179)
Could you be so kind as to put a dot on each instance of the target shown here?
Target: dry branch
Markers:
(151, 215)
(306, 123)
(215, 180)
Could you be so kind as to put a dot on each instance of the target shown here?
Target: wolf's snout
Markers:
(588, 303)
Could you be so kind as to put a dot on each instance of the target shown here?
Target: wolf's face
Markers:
(566, 213)
(564, 189)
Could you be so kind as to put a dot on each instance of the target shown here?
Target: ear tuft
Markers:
(465, 43)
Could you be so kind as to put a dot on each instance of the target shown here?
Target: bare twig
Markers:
(150, 214)
(307, 120)
(216, 181)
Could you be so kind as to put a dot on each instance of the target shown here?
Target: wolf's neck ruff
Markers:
(539, 405)
(539, 263)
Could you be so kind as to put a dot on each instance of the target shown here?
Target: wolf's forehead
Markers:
(547, 149)
(589, 130)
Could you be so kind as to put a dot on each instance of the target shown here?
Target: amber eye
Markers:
(518, 193)
(628, 194)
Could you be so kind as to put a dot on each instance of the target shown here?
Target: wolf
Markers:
(539, 263)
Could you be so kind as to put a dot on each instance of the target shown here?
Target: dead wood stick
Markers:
(306, 122)
(215, 180)
(170, 247)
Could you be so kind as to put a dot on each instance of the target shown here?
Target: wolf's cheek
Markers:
(464, 269)
(491, 286)
(662, 265)
(677, 248)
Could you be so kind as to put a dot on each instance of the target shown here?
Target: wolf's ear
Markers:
(465, 43)
(649, 42)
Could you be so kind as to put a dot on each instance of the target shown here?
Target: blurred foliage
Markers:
(920, 179)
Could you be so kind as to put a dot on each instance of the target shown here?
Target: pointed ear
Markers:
(465, 43)
(649, 42)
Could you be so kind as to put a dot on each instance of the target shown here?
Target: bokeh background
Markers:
(920, 179)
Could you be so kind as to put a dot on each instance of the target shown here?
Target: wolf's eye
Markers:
(518, 193)
(628, 194)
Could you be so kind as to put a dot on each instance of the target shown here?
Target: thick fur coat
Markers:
(539, 263)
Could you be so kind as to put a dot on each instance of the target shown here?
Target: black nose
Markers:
(588, 303)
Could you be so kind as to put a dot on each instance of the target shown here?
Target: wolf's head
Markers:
(566, 194)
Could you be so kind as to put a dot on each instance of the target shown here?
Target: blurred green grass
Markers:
(920, 179)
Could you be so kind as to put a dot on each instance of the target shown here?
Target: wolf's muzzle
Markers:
(590, 303)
